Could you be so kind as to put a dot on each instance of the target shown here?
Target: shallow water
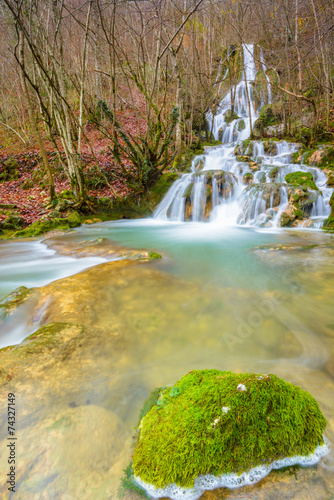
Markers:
(215, 300)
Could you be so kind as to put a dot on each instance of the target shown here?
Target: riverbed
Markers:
(231, 298)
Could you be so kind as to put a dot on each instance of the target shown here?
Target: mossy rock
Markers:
(9, 170)
(303, 179)
(154, 255)
(268, 117)
(229, 116)
(27, 184)
(243, 158)
(329, 223)
(13, 299)
(248, 178)
(74, 219)
(188, 191)
(13, 222)
(273, 173)
(214, 422)
(241, 125)
(327, 160)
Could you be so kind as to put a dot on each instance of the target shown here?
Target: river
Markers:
(231, 298)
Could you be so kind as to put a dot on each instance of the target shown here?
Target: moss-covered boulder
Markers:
(216, 422)
(241, 125)
(9, 170)
(270, 115)
(74, 219)
(229, 116)
(13, 221)
(303, 179)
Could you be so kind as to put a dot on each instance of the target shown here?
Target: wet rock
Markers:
(289, 215)
(248, 178)
(14, 299)
(303, 179)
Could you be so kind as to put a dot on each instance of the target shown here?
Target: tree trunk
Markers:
(33, 119)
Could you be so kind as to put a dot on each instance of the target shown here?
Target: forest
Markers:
(99, 98)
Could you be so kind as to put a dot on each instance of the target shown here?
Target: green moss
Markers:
(327, 161)
(9, 172)
(154, 255)
(42, 226)
(269, 115)
(203, 424)
(188, 191)
(296, 158)
(241, 125)
(12, 300)
(303, 179)
(229, 116)
(74, 219)
(13, 221)
(150, 401)
(247, 178)
(273, 172)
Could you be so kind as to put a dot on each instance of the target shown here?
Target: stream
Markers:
(233, 299)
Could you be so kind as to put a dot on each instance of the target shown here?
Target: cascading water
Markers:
(238, 183)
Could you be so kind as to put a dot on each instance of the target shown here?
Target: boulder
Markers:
(230, 428)
(13, 222)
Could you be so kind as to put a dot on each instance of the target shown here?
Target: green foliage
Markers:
(206, 424)
(303, 179)
(27, 184)
(97, 178)
(127, 483)
(304, 135)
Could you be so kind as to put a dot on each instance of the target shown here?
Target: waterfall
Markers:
(245, 184)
